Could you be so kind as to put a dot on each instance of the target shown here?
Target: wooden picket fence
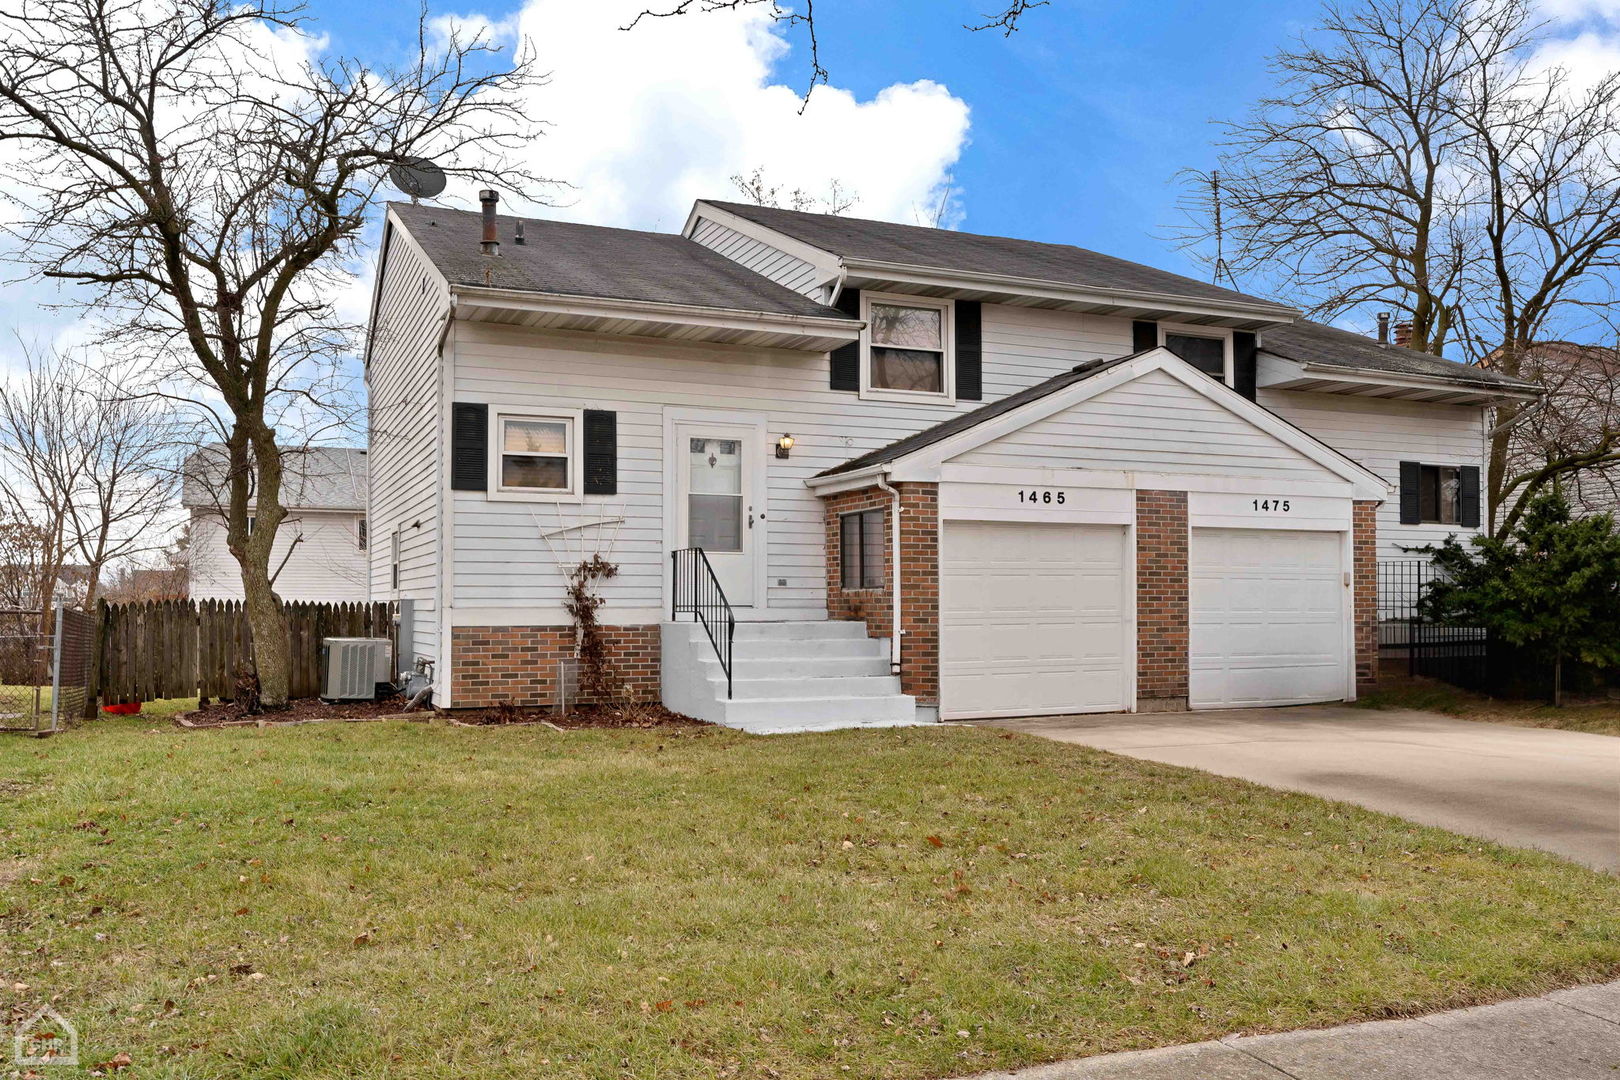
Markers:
(185, 648)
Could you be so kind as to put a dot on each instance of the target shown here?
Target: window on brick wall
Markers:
(861, 550)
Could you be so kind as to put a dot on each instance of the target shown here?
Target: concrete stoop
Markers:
(786, 677)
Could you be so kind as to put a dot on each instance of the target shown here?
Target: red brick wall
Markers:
(919, 591)
(871, 605)
(919, 576)
(1364, 550)
(1161, 600)
(489, 664)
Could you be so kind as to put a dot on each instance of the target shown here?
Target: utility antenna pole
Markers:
(1220, 235)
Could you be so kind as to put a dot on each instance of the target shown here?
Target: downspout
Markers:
(894, 572)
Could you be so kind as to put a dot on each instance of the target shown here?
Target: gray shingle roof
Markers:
(590, 260)
(943, 249)
(319, 478)
(962, 422)
(1318, 343)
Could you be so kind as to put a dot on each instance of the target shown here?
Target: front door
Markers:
(718, 467)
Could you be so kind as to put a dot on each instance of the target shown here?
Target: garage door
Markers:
(1267, 618)
(1031, 619)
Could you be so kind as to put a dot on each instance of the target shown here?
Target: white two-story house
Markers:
(859, 472)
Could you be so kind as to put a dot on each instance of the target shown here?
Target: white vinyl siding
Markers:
(325, 566)
(1153, 423)
(406, 433)
(501, 560)
(760, 257)
(1379, 435)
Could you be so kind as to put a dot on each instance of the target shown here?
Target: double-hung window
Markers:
(860, 548)
(908, 348)
(535, 455)
(1439, 494)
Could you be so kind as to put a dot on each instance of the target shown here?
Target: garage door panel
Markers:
(1266, 617)
(1031, 618)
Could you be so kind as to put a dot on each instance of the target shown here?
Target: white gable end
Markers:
(1153, 423)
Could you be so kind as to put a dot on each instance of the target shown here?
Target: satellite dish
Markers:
(417, 177)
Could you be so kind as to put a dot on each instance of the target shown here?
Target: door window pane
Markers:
(1206, 354)
(714, 504)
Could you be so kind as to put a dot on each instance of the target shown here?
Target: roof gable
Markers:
(1150, 411)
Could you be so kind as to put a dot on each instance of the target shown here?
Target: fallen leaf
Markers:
(936, 841)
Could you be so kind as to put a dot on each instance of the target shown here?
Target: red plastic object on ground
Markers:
(122, 710)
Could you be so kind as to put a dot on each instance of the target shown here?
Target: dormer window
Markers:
(1209, 349)
(907, 348)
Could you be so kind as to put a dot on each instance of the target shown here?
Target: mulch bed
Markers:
(306, 710)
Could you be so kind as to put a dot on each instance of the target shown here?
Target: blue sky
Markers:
(1079, 122)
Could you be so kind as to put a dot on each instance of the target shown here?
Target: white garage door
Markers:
(1267, 618)
(1031, 619)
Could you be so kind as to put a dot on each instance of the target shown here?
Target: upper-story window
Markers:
(907, 349)
(1439, 494)
(1209, 349)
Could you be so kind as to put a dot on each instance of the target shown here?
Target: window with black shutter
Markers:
(860, 547)
(1439, 494)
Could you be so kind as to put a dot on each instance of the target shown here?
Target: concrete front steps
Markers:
(787, 676)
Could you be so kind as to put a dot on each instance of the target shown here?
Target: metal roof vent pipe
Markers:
(1383, 328)
(517, 237)
(488, 200)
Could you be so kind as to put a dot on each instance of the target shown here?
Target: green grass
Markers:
(420, 901)
(1597, 718)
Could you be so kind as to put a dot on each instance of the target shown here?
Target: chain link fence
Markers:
(44, 673)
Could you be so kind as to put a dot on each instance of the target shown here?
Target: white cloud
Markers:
(643, 122)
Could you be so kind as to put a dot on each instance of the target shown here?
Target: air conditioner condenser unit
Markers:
(353, 668)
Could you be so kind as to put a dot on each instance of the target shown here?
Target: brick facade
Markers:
(490, 664)
(919, 577)
(1364, 554)
(1161, 601)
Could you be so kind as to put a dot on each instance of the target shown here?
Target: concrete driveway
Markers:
(1530, 787)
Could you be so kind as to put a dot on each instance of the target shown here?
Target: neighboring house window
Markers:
(363, 534)
(250, 526)
(1439, 492)
(393, 554)
(535, 455)
(908, 350)
(861, 550)
(1207, 349)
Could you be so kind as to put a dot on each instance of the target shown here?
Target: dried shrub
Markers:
(598, 679)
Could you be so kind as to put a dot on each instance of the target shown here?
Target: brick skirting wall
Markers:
(872, 605)
(1364, 552)
(490, 664)
(919, 578)
(1162, 639)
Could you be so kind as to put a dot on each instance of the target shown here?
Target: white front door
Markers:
(1267, 618)
(1032, 619)
(718, 470)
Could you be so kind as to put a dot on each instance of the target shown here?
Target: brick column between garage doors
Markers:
(1364, 555)
(1162, 638)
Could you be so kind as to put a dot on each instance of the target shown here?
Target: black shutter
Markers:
(1144, 336)
(469, 446)
(969, 351)
(601, 452)
(1468, 496)
(846, 359)
(1245, 352)
(1411, 480)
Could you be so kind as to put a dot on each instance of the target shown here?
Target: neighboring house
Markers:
(1582, 384)
(320, 550)
(1103, 486)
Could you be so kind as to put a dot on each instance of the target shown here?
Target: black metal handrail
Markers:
(696, 591)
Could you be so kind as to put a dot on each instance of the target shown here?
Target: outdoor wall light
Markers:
(784, 445)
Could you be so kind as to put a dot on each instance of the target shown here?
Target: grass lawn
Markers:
(410, 901)
(1598, 718)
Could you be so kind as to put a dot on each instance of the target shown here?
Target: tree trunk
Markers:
(264, 615)
(255, 477)
(1558, 680)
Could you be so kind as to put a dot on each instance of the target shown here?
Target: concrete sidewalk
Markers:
(1568, 1035)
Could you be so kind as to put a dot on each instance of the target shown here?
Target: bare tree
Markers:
(87, 463)
(1006, 20)
(1416, 159)
(756, 189)
(210, 195)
